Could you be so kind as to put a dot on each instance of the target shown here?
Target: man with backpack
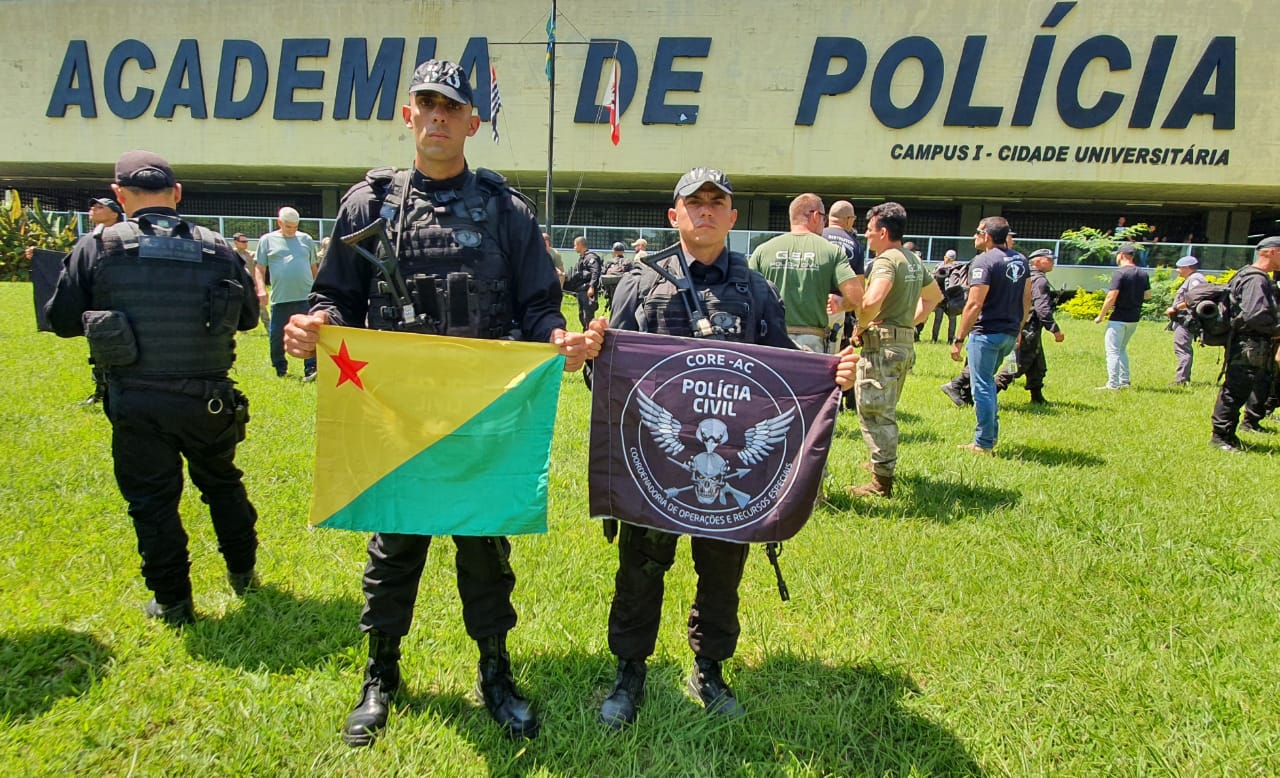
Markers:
(1250, 361)
(1182, 320)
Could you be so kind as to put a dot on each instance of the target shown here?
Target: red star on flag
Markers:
(350, 368)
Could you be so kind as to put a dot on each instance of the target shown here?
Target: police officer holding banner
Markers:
(1251, 353)
(444, 221)
(160, 300)
(703, 214)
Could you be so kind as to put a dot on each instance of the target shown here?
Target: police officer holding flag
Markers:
(160, 301)
(469, 249)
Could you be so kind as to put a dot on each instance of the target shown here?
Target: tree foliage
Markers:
(1092, 246)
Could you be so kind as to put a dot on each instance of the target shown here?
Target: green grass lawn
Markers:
(1101, 599)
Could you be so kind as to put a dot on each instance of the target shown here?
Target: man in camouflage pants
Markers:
(900, 293)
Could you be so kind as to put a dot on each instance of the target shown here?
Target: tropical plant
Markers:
(22, 227)
(1083, 305)
(1091, 246)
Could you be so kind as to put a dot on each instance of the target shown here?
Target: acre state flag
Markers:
(709, 438)
(430, 435)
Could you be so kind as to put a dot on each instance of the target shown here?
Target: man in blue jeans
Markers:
(995, 311)
(291, 258)
(1130, 288)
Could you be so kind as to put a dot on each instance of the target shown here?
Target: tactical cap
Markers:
(619, 246)
(289, 215)
(144, 170)
(1128, 248)
(107, 202)
(700, 176)
(1269, 243)
(1041, 253)
(1187, 261)
(640, 243)
(443, 76)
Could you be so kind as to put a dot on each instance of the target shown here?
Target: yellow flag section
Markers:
(429, 435)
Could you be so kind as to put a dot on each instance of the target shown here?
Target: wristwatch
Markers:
(958, 342)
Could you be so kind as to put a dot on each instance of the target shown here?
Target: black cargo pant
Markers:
(1030, 363)
(485, 583)
(644, 556)
(152, 430)
(1246, 384)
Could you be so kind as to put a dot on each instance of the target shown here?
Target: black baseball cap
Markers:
(699, 177)
(1128, 248)
(107, 202)
(144, 170)
(619, 246)
(1041, 253)
(443, 76)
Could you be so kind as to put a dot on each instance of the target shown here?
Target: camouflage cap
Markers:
(699, 177)
(443, 76)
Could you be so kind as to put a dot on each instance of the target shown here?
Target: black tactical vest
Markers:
(178, 290)
(729, 305)
(450, 254)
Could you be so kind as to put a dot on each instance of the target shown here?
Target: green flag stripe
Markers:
(489, 477)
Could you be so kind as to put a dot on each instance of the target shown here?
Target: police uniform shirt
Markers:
(852, 249)
(1132, 283)
(74, 294)
(1003, 272)
(1259, 304)
(1195, 279)
(627, 300)
(1042, 301)
(342, 284)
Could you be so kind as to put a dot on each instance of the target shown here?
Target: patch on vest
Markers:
(167, 247)
(716, 439)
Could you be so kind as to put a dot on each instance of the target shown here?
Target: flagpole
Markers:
(551, 119)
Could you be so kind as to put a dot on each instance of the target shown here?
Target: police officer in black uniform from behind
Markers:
(1251, 353)
(446, 221)
(1030, 352)
(703, 214)
(160, 301)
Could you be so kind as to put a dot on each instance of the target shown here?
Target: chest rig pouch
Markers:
(728, 305)
(449, 254)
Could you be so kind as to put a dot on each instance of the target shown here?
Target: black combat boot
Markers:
(956, 394)
(505, 703)
(381, 680)
(1037, 397)
(619, 708)
(175, 615)
(707, 684)
(244, 582)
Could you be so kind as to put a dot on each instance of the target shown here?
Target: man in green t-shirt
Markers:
(807, 268)
(900, 293)
(289, 256)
